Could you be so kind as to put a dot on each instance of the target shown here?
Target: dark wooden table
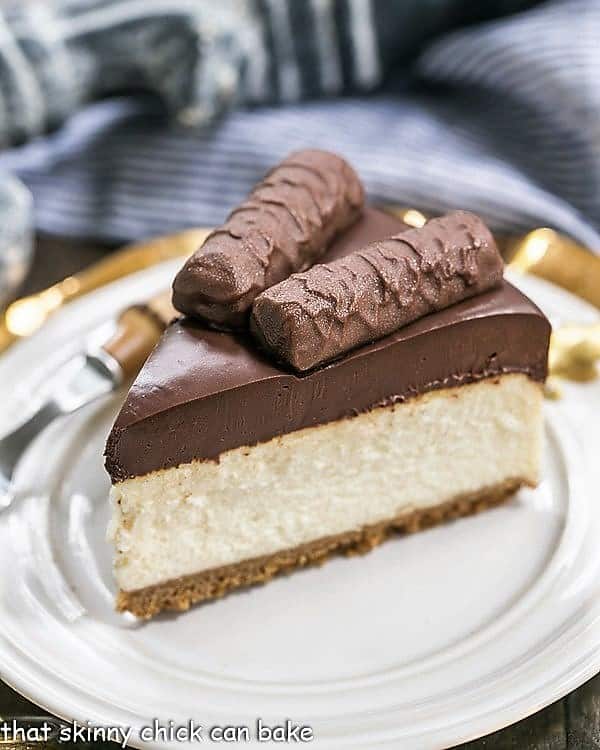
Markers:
(572, 723)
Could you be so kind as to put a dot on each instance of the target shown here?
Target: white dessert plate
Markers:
(428, 641)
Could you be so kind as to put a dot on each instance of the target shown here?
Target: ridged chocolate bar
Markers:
(285, 225)
(315, 316)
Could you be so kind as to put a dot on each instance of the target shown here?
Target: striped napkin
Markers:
(494, 107)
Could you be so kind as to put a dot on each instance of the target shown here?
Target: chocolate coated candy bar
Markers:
(285, 225)
(313, 317)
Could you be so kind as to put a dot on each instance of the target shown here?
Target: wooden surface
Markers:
(572, 723)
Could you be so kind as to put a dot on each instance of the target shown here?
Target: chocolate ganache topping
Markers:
(285, 225)
(203, 392)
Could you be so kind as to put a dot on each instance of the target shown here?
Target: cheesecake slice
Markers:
(228, 468)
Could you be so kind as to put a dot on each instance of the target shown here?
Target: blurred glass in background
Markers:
(16, 234)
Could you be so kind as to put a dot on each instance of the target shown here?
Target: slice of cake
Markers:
(228, 466)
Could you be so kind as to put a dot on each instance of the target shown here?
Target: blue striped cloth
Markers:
(500, 115)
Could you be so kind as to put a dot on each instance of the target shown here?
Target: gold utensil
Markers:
(26, 315)
(137, 332)
(87, 376)
(575, 352)
(554, 257)
(574, 348)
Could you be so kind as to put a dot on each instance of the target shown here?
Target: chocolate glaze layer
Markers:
(203, 392)
(284, 225)
(313, 317)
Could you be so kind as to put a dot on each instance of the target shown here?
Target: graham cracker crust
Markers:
(180, 593)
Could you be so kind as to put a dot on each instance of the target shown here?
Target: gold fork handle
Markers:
(138, 330)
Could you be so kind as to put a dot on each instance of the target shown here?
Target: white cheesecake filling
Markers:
(325, 480)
